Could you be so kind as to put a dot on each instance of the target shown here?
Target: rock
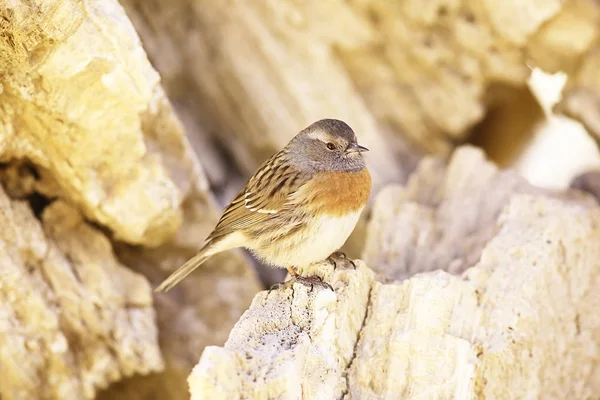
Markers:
(510, 325)
(521, 320)
(290, 344)
(410, 79)
(568, 43)
(80, 99)
(251, 75)
(84, 121)
(74, 319)
(446, 214)
(200, 311)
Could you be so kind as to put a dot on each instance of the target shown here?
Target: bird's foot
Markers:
(311, 281)
(339, 259)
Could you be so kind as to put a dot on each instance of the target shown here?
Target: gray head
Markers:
(326, 145)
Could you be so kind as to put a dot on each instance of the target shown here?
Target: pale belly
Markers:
(325, 236)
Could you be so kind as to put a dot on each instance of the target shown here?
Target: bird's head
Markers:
(327, 145)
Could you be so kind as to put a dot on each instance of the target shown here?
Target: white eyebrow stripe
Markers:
(319, 135)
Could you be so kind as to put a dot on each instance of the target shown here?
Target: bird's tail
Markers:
(204, 254)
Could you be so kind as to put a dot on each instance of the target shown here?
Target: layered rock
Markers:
(485, 289)
(410, 78)
(80, 99)
(521, 320)
(84, 122)
(74, 319)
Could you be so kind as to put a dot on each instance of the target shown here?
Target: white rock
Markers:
(521, 323)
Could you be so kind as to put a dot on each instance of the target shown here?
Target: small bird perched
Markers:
(298, 208)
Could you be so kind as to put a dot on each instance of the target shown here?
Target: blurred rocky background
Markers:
(125, 127)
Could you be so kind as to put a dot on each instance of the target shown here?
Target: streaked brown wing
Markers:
(267, 193)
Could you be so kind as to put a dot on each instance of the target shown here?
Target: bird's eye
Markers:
(330, 146)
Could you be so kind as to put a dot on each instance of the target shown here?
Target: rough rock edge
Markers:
(288, 342)
(79, 98)
(447, 213)
(391, 70)
(528, 303)
(56, 342)
(93, 120)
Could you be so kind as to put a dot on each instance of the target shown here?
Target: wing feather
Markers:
(267, 193)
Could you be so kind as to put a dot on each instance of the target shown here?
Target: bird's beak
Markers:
(356, 148)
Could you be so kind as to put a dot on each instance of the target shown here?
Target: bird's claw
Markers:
(338, 256)
(311, 281)
(281, 285)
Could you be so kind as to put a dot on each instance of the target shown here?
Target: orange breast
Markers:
(338, 193)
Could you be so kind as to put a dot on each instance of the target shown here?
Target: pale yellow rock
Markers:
(73, 319)
(409, 77)
(82, 108)
(200, 311)
(521, 322)
(260, 72)
(569, 43)
(80, 99)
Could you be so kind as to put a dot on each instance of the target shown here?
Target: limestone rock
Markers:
(73, 318)
(252, 74)
(446, 214)
(83, 119)
(411, 78)
(511, 325)
(290, 344)
(200, 311)
(520, 321)
(79, 98)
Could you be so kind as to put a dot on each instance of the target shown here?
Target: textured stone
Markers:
(446, 214)
(568, 42)
(290, 344)
(200, 311)
(410, 77)
(84, 121)
(246, 75)
(521, 320)
(73, 318)
(80, 99)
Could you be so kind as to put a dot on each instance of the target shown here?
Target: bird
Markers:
(298, 208)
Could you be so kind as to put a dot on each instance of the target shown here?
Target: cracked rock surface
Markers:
(291, 344)
(73, 318)
(445, 215)
(84, 121)
(79, 98)
(521, 320)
